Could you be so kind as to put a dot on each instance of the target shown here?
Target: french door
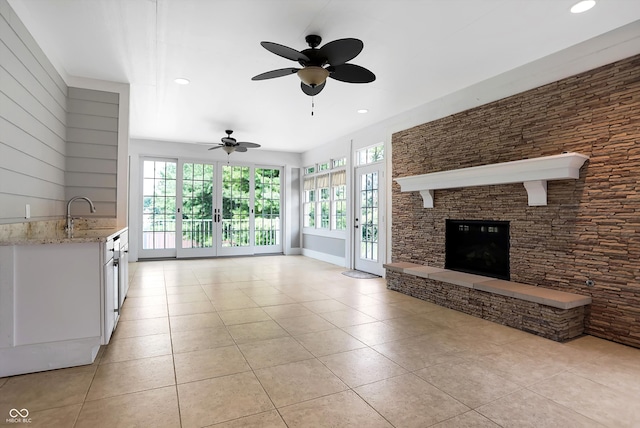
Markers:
(235, 214)
(196, 209)
(368, 223)
(249, 215)
(268, 207)
(159, 203)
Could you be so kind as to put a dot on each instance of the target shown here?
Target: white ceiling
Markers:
(420, 50)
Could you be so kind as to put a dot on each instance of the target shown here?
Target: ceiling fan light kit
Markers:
(313, 76)
(230, 144)
(330, 60)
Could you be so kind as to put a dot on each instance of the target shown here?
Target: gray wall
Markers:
(33, 105)
(92, 150)
(323, 244)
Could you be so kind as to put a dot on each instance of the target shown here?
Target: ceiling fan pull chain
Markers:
(312, 105)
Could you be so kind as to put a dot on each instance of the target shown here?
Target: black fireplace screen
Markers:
(479, 247)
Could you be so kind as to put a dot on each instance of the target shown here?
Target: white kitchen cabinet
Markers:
(110, 295)
(116, 281)
(53, 303)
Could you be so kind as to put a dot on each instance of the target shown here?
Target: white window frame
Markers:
(341, 176)
(323, 190)
(309, 198)
(329, 168)
(366, 151)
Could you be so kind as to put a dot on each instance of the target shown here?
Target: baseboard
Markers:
(336, 260)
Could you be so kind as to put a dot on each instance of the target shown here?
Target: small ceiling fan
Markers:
(317, 64)
(230, 144)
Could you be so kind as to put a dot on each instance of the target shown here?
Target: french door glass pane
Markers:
(235, 206)
(369, 216)
(197, 205)
(159, 205)
(267, 206)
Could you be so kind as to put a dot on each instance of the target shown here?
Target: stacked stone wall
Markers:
(590, 228)
(546, 321)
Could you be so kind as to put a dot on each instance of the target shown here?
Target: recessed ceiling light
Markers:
(583, 6)
(182, 81)
(363, 111)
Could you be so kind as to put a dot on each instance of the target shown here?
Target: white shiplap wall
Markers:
(56, 141)
(92, 150)
(33, 105)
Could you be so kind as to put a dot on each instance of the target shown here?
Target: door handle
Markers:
(356, 225)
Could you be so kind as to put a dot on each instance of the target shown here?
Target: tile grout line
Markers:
(173, 358)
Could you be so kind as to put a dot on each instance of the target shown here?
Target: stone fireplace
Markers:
(585, 239)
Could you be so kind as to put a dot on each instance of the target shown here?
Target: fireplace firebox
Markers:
(478, 247)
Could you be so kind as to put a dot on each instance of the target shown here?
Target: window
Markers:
(339, 200)
(310, 170)
(325, 196)
(324, 201)
(309, 202)
(336, 163)
(371, 154)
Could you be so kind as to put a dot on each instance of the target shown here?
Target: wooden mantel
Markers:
(533, 173)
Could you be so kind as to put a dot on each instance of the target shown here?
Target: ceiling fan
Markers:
(317, 64)
(230, 144)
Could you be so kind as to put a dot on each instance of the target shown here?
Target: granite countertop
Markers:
(60, 236)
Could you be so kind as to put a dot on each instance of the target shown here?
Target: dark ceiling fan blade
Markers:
(351, 73)
(216, 147)
(275, 73)
(312, 91)
(240, 149)
(284, 51)
(248, 144)
(340, 51)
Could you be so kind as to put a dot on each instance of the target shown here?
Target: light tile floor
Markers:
(290, 342)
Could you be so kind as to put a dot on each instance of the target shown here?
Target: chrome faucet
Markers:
(69, 218)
